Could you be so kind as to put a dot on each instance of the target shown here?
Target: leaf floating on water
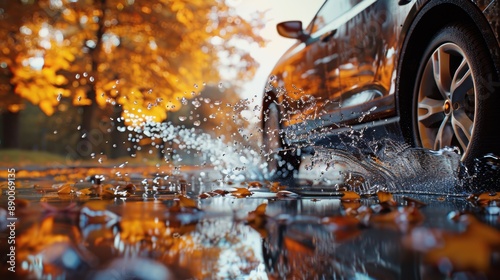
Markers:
(350, 196)
(221, 192)
(65, 189)
(241, 193)
(276, 187)
(214, 193)
(386, 197)
(206, 195)
(184, 204)
(485, 198)
(255, 184)
(85, 191)
(129, 188)
(350, 200)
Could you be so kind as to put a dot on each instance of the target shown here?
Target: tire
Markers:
(282, 161)
(453, 100)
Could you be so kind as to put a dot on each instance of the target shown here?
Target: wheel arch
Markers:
(432, 16)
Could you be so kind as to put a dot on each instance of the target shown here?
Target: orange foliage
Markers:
(143, 55)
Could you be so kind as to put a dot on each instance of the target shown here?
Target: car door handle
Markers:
(327, 36)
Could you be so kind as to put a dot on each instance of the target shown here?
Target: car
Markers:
(424, 72)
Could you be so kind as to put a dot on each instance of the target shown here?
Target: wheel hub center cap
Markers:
(447, 107)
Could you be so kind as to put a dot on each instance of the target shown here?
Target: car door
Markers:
(309, 74)
(366, 39)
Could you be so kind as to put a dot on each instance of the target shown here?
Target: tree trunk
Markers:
(89, 111)
(119, 140)
(10, 130)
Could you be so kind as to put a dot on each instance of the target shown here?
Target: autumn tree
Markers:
(31, 57)
(140, 58)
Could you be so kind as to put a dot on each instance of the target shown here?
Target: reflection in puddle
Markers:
(261, 236)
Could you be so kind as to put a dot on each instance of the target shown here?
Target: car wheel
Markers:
(282, 161)
(452, 104)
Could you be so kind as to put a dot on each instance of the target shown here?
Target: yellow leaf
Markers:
(46, 107)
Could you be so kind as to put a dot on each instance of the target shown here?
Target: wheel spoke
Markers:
(462, 80)
(444, 134)
(462, 127)
(433, 111)
(441, 70)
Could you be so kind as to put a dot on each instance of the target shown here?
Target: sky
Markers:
(277, 11)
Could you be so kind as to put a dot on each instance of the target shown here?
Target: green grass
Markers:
(22, 158)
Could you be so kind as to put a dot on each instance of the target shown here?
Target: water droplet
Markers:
(59, 96)
(196, 123)
(196, 103)
(182, 118)
(84, 135)
(91, 79)
(272, 78)
(79, 127)
(220, 85)
(195, 85)
(55, 131)
(184, 101)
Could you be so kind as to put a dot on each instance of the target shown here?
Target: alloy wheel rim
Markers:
(446, 100)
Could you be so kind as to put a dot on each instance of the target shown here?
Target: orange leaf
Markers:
(385, 197)
(241, 193)
(350, 196)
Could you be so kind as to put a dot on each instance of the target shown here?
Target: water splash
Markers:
(392, 167)
(234, 161)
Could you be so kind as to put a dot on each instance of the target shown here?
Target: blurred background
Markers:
(80, 78)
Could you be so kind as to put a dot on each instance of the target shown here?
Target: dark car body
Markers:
(354, 66)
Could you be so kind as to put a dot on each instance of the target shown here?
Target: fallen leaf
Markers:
(276, 187)
(241, 193)
(350, 196)
(386, 197)
(254, 185)
(65, 189)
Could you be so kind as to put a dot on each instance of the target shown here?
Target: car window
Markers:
(330, 11)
